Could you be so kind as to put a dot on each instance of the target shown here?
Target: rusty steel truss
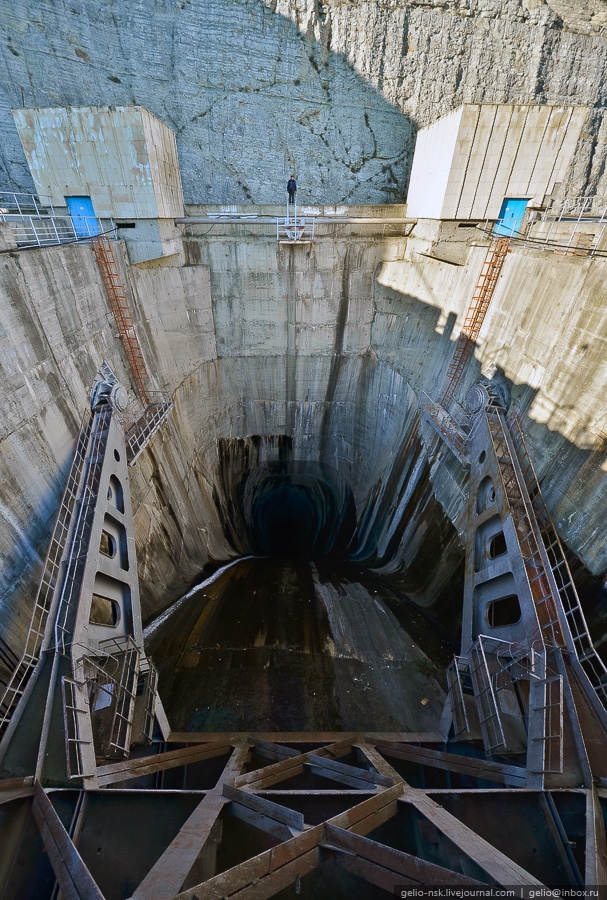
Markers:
(253, 830)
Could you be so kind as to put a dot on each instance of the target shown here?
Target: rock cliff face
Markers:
(333, 91)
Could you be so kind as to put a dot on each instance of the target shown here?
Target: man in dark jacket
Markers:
(291, 188)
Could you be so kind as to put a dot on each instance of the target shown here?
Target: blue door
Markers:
(83, 216)
(511, 216)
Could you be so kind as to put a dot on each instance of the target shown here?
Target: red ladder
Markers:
(119, 304)
(475, 314)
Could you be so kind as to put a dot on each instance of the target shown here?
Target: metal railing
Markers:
(35, 222)
(86, 503)
(526, 528)
(459, 682)
(571, 227)
(148, 673)
(589, 659)
(484, 693)
(546, 725)
(25, 204)
(145, 423)
(75, 708)
(294, 228)
(49, 580)
(454, 432)
(475, 315)
(46, 231)
(104, 689)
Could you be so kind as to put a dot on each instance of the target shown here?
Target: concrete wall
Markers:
(123, 158)
(468, 162)
(431, 169)
(335, 92)
(313, 353)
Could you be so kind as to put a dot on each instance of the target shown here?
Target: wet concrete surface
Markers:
(275, 644)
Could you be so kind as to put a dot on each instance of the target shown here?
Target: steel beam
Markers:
(596, 845)
(290, 767)
(292, 822)
(496, 864)
(513, 776)
(168, 874)
(265, 874)
(75, 880)
(114, 773)
(396, 863)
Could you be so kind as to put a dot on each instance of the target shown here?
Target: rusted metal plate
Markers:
(74, 878)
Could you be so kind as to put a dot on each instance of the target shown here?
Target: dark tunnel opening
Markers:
(298, 515)
(286, 508)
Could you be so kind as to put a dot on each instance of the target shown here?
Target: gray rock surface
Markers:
(333, 90)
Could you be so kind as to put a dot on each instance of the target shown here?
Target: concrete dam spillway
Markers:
(302, 543)
(301, 422)
(287, 479)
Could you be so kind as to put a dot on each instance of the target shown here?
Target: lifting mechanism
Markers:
(84, 652)
(528, 680)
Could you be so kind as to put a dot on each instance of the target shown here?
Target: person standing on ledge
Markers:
(291, 188)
